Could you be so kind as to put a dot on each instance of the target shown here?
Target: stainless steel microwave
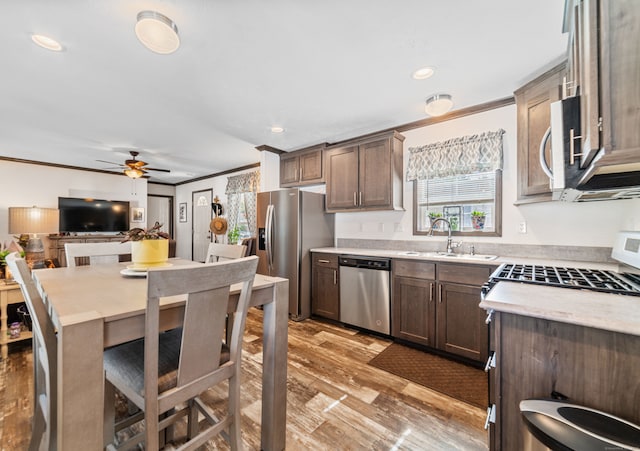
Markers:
(568, 181)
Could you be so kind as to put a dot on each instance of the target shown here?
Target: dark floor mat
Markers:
(460, 381)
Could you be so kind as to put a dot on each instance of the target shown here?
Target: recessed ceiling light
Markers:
(46, 42)
(277, 129)
(438, 104)
(157, 32)
(423, 73)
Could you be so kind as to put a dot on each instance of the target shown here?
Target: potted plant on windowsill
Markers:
(432, 217)
(233, 235)
(477, 219)
(149, 247)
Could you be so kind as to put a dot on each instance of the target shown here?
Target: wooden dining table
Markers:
(95, 307)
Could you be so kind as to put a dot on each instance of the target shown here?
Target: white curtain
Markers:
(243, 188)
(457, 156)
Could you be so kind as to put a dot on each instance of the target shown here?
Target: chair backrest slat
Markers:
(44, 357)
(220, 252)
(98, 253)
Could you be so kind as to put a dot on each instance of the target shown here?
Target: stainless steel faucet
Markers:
(450, 244)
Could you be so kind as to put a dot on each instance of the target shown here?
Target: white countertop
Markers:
(614, 312)
(423, 256)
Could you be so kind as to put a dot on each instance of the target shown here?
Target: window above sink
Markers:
(458, 199)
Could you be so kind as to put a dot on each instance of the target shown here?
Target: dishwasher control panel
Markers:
(383, 264)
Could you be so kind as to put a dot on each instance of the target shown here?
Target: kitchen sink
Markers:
(460, 256)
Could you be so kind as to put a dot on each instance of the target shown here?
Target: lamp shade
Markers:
(33, 220)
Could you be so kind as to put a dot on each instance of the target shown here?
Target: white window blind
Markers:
(470, 188)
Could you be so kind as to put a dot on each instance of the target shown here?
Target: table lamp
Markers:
(31, 221)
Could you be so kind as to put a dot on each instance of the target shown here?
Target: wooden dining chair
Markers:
(219, 252)
(43, 425)
(97, 253)
(251, 245)
(163, 371)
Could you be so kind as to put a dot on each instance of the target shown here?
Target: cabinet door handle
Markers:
(489, 316)
(430, 291)
(355, 199)
(323, 261)
(360, 198)
(491, 416)
(439, 294)
(335, 277)
(572, 147)
(491, 362)
(300, 172)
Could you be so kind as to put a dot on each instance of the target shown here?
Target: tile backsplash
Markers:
(573, 253)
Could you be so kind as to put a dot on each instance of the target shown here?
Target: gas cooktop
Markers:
(577, 278)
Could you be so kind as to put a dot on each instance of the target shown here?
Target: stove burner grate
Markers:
(590, 279)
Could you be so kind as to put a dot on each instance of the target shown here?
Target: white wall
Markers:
(26, 185)
(550, 223)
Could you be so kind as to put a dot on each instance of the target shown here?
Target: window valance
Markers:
(243, 183)
(458, 156)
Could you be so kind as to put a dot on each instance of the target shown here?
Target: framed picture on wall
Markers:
(137, 214)
(182, 212)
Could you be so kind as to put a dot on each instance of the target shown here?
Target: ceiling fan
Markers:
(134, 168)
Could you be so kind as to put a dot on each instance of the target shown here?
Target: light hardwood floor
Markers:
(335, 400)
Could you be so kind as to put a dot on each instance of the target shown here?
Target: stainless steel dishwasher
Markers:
(364, 292)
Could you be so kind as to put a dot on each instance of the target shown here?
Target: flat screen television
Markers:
(93, 215)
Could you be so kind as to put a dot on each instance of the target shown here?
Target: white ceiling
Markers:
(324, 70)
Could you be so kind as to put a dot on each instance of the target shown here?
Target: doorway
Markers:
(202, 215)
(160, 209)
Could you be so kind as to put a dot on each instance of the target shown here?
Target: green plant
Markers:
(233, 235)
(478, 214)
(153, 233)
(434, 215)
(3, 255)
(453, 221)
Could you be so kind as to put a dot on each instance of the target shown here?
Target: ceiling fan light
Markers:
(438, 104)
(157, 32)
(134, 173)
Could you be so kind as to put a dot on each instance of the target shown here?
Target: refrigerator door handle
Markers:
(269, 237)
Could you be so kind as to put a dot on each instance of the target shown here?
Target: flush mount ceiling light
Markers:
(46, 42)
(438, 104)
(423, 73)
(157, 32)
(277, 129)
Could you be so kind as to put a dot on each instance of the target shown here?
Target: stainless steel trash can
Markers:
(564, 426)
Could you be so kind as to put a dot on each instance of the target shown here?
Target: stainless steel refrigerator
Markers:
(290, 222)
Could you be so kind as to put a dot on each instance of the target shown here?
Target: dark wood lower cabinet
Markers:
(436, 305)
(461, 327)
(414, 314)
(593, 367)
(325, 286)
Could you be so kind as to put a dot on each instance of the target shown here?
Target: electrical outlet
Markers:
(522, 227)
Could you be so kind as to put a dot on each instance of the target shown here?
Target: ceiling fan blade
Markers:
(110, 162)
(159, 170)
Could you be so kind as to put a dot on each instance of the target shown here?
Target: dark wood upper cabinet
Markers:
(608, 34)
(365, 174)
(533, 102)
(302, 167)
